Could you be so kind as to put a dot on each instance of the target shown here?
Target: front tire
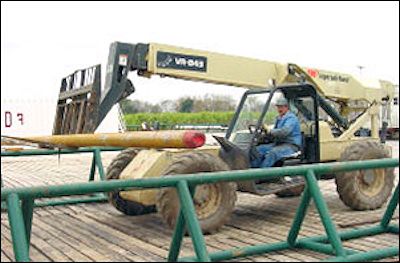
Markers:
(365, 189)
(214, 203)
(114, 171)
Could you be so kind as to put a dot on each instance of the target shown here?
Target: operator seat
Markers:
(294, 158)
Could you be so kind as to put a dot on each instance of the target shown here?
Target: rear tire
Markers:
(113, 173)
(214, 203)
(365, 189)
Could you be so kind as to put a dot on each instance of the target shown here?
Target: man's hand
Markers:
(266, 134)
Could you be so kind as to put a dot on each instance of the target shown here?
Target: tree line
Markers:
(185, 104)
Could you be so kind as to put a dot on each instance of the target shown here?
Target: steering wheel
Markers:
(262, 132)
(264, 129)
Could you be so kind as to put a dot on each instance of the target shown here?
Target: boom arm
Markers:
(165, 60)
(184, 63)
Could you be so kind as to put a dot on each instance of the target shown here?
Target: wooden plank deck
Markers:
(97, 232)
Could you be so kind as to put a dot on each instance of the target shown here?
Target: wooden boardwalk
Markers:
(97, 232)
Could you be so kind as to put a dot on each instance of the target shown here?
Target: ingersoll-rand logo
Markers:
(181, 61)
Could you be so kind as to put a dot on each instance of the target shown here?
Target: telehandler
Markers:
(331, 106)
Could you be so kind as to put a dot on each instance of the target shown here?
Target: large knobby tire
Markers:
(214, 203)
(113, 172)
(365, 189)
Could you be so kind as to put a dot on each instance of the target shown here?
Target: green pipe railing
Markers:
(96, 163)
(53, 152)
(20, 214)
(199, 178)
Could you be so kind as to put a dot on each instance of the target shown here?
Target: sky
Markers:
(42, 42)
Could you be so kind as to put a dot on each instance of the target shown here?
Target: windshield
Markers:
(272, 112)
(248, 117)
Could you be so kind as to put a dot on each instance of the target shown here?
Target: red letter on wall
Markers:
(8, 119)
(21, 118)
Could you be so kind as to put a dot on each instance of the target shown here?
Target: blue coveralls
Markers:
(287, 140)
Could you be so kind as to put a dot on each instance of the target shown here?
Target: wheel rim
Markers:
(372, 181)
(207, 199)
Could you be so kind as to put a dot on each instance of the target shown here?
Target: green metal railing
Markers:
(20, 202)
(181, 126)
(96, 163)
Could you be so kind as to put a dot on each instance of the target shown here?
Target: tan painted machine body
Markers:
(352, 95)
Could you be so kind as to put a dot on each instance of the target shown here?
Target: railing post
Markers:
(17, 227)
(99, 164)
(3, 203)
(190, 216)
(394, 201)
(177, 238)
(179, 232)
(322, 208)
(93, 167)
(299, 217)
(27, 212)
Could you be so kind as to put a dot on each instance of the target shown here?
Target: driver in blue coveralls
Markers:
(286, 138)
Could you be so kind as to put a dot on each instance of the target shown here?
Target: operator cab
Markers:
(255, 114)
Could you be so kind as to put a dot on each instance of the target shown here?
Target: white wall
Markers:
(25, 117)
(30, 117)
